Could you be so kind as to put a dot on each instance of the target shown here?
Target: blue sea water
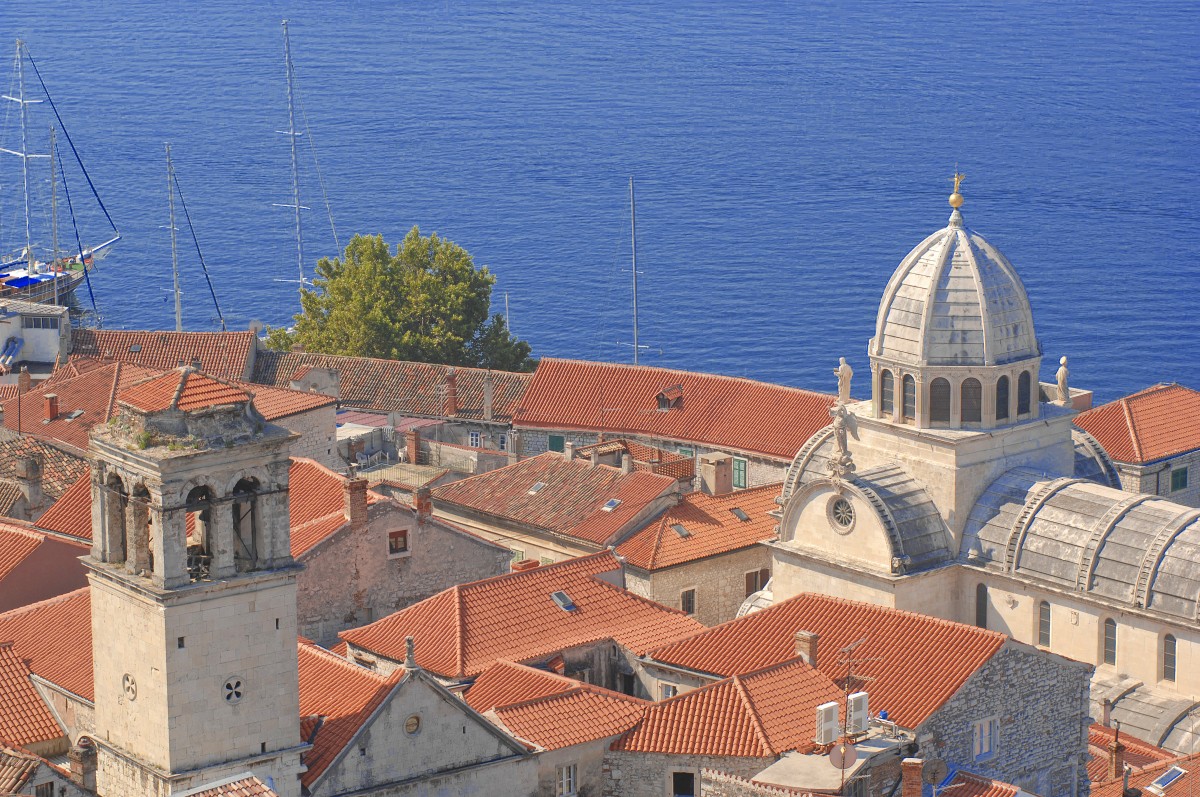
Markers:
(787, 156)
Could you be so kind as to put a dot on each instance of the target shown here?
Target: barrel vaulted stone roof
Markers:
(1158, 422)
(719, 411)
(226, 355)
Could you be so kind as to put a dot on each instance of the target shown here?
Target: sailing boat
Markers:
(53, 276)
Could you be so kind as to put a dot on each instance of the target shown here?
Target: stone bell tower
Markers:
(193, 591)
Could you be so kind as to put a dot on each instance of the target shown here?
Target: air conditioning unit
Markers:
(827, 723)
(857, 715)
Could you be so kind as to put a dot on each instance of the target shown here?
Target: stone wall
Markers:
(1155, 478)
(719, 582)
(318, 436)
(628, 774)
(721, 784)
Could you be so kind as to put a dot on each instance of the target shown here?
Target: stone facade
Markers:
(714, 783)
(318, 436)
(651, 774)
(588, 760)
(1156, 478)
(719, 582)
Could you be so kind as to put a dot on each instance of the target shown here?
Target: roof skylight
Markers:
(1160, 784)
(740, 514)
(563, 600)
(679, 529)
(537, 488)
(611, 504)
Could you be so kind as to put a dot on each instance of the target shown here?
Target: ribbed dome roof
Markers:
(955, 300)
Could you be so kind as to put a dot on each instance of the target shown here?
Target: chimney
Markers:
(806, 647)
(82, 758)
(716, 473)
(24, 380)
(356, 503)
(568, 451)
(626, 463)
(595, 458)
(910, 777)
(1116, 755)
(412, 444)
(28, 476)
(196, 364)
(522, 565)
(489, 395)
(451, 408)
(51, 406)
(1106, 715)
(424, 503)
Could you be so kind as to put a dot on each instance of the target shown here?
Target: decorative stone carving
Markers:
(841, 464)
(844, 374)
(1064, 392)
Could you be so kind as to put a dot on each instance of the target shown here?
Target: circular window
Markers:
(129, 687)
(234, 689)
(412, 724)
(841, 515)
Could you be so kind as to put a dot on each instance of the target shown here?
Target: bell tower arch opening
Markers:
(248, 543)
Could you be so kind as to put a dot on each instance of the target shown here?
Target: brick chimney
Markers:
(1116, 755)
(424, 504)
(489, 396)
(522, 565)
(910, 777)
(626, 463)
(1106, 713)
(806, 646)
(356, 503)
(82, 759)
(412, 445)
(51, 406)
(451, 407)
(24, 380)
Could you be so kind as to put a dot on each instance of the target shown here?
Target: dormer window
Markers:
(671, 398)
(537, 488)
(610, 504)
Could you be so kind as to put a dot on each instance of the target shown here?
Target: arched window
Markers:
(1002, 398)
(887, 393)
(939, 400)
(1110, 641)
(1168, 658)
(910, 397)
(116, 501)
(198, 527)
(1044, 624)
(247, 534)
(981, 605)
(138, 536)
(972, 400)
(1024, 387)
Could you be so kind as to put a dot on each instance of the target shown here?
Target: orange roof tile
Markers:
(721, 411)
(570, 502)
(1137, 753)
(34, 566)
(246, 785)
(397, 386)
(317, 503)
(25, 718)
(344, 695)
(968, 784)
(10, 494)
(71, 514)
(760, 714)
(914, 663)
(1147, 426)
(183, 389)
(655, 460)
(55, 637)
(505, 682)
(274, 403)
(1186, 785)
(582, 714)
(221, 354)
(91, 393)
(462, 631)
(9, 391)
(710, 525)
(17, 768)
(60, 468)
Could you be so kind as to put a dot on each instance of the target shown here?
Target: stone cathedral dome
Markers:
(954, 301)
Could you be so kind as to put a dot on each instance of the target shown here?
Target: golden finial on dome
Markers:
(956, 199)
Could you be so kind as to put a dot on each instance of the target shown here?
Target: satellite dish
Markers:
(843, 755)
(256, 326)
(934, 771)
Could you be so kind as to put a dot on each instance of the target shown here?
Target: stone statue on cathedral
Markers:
(844, 374)
(1064, 392)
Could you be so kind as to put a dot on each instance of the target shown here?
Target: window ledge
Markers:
(401, 555)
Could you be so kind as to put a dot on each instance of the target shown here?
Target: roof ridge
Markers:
(581, 689)
(752, 711)
(640, 598)
(563, 565)
(658, 537)
(460, 625)
(625, 366)
(341, 662)
(393, 361)
(1133, 433)
(38, 606)
(112, 392)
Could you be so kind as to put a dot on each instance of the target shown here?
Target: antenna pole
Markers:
(633, 243)
(54, 264)
(507, 323)
(174, 244)
(287, 53)
(24, 151)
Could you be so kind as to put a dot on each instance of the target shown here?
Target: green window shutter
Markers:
(1179, 479)
(558, 443)
(739, 473)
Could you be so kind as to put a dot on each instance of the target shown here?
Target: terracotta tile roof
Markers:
(582, 714)
(570, 503)
(344, 695)
(183, 389)
(16, 768)
(1147, 426)
(644, 457)
(710, 525)
(462, 631)
(1137, 753)
(63, 657)
(10, 494)
(1185, 786)
(720, 411)
(274, 403)
(760, 714)
(34, 566)
(71, 514)
(506, 682)
(968, 784)
(60, 468)
(245, 785)
(92, 393)
(9, 391)
(397, 386)
(25, 718)
(222, 354)
(317, 503)
(16, 544)
(914, 663)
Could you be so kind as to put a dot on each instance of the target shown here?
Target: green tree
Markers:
(427, 302)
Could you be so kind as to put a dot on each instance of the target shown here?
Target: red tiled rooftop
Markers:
(711, 526)
(914, 663)
(55, 636)
(317, 503)
(16, 768)
(582, 714)
(506, 682)
(222, 354)
(237, 786)
(761, 714)
(1147, 426)
(968, 784)
(35, 566)
(1186, 786)
(183, 389)
(72, 513)
(1137, 753)
(397, 386)
(462, 631)
(644, 457)
(60, 469)
(570, 502)
(24, 717)
(720, 411)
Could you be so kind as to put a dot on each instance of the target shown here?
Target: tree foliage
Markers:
(427, 303)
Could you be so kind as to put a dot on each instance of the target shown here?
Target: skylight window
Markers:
(73, 414)
(1160, 784)
(611, 504)
(740, 514)
(537, 488)
(679, 529)
(563, 600)
(135, 348)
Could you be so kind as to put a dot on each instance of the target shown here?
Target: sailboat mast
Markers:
(633, 242)
(54, 264)
(24, 150)
(287, 53)
(174, 244)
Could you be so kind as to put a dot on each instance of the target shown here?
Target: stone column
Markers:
(922, 398)
(221, 542)
(169, 544)
(987, 414)
(955, 403)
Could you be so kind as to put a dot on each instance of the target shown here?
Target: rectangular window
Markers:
(986, 736)
(558, 443)
(1044, 624)
(739, 473)
(567, 781)
(38, 322)
(397, 542)
(502, 442)
(687, 452)
(756, 580)
(473, 439)
(687, 601)
(517, 554)
(1179, 479)
(683, 784)
(667, 691)
(44, 790)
